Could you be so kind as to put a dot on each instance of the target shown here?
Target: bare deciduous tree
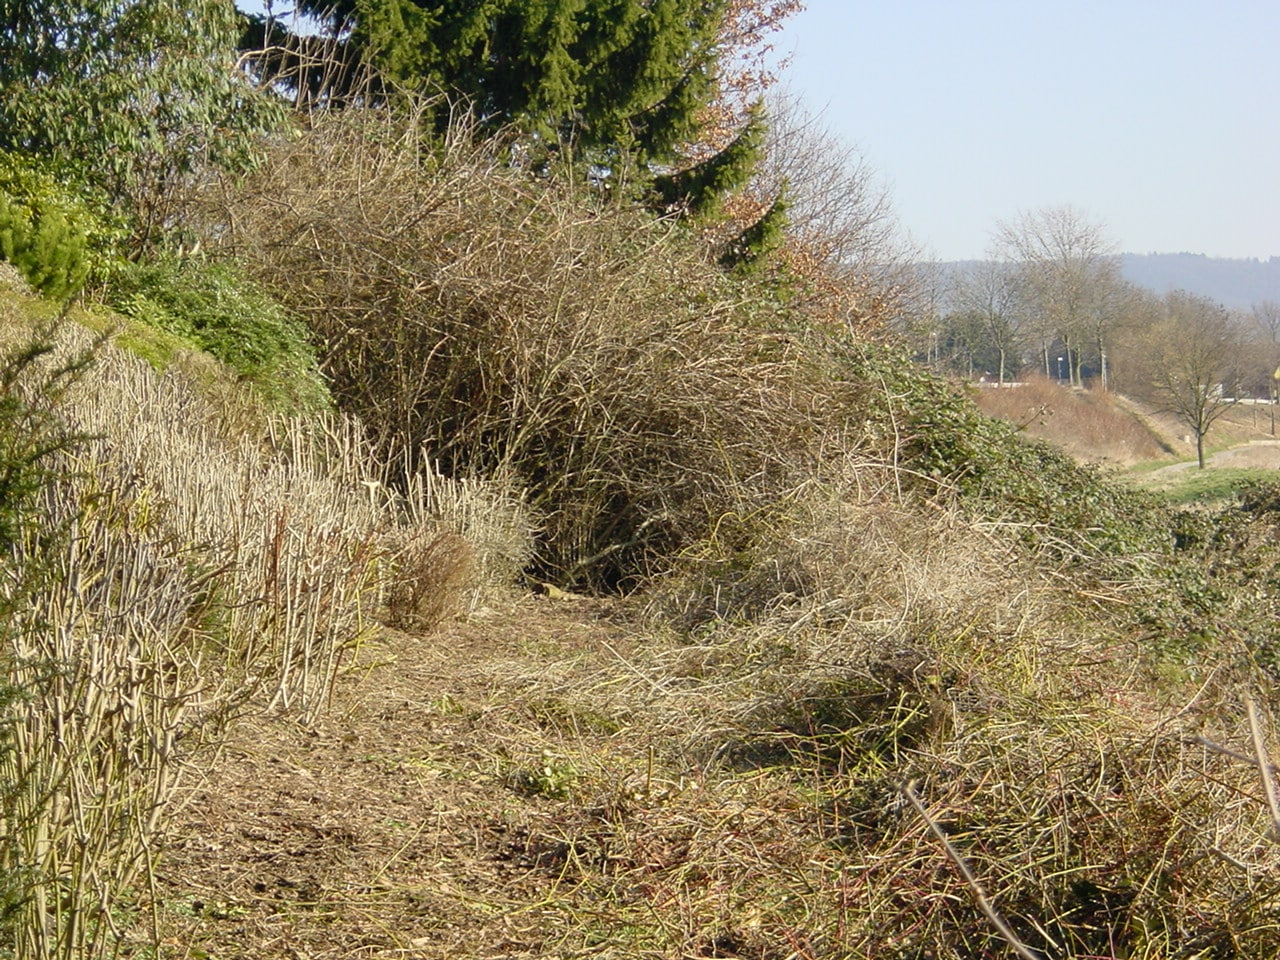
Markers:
(991, 294)
(1194, 354)
(843, 237)
(836, 203)
(1069, 273)
(1260, 326)
(1266, 318)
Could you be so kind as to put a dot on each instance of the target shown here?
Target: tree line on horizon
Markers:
(1052, 301)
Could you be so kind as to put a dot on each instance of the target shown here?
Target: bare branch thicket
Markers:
(1266, 319)
(843, 237)
(490, 324)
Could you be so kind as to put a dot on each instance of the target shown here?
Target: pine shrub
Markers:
(215, 308)
(47, 230)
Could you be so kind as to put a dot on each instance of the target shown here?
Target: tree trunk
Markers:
(1073, 358)
(1200, 448)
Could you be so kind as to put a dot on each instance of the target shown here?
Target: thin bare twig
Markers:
(1264, 767)
(984, 903)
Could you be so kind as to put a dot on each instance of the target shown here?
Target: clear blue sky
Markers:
(1158, 118)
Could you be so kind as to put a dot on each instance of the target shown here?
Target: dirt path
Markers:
(1257, 454)
(390, 828)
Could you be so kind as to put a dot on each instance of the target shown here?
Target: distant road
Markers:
(1256, 455)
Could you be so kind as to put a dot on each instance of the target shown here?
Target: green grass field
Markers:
(1212, 486)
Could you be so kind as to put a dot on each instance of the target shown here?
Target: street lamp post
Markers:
(1275, 395)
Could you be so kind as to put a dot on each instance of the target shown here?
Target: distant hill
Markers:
(1236, 284)
(1233, 283)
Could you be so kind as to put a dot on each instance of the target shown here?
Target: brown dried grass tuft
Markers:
(432, 573)
(1085, 799)
(489, 516)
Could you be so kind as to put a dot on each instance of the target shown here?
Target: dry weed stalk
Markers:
(299, 562)
(200, 576)
(302, 527)
(107, 669)
(1265, 767)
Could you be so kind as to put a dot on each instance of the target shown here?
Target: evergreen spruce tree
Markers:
(45, 246)
(698, 190)
(600, 78)
(617, 86)
(752, 246)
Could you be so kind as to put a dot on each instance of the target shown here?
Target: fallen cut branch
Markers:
(984, 903)
(1264, 767)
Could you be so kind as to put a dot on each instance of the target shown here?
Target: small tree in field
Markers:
(1195, 354)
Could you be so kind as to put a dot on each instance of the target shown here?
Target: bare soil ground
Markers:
(410, 822)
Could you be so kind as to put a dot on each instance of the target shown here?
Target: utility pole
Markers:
(1275, 395)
